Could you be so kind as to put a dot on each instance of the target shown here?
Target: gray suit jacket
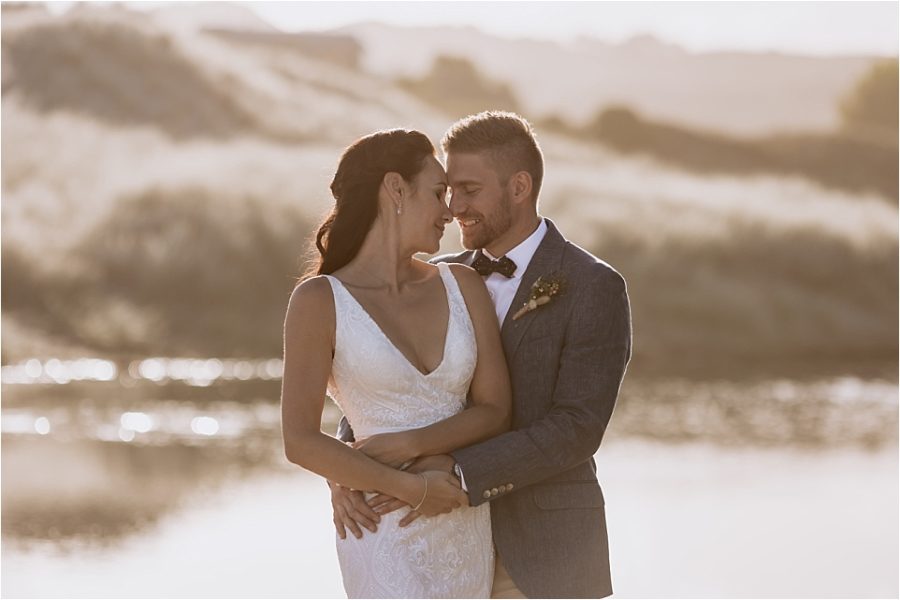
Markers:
(566, 361)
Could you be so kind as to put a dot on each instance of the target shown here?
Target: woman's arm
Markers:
(308, 343)
(489, 410)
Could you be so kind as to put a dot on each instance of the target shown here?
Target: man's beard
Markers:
(489, 230)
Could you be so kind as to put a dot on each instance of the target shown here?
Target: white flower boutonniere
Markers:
(542, 291)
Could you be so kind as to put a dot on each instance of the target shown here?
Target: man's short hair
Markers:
(507, 138)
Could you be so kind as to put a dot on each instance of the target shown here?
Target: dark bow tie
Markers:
(486, 266)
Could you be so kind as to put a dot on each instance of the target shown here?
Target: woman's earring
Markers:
(399, 208)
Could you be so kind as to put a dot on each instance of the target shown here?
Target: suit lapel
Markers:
(464, 258)
(547, 259)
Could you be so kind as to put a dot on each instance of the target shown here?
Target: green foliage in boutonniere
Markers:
(542, 291)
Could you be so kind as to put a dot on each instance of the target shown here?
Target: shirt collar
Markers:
(523, 253)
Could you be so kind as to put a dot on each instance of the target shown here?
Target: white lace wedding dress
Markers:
(379, 390)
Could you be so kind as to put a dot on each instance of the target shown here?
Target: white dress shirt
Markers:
(503, 289)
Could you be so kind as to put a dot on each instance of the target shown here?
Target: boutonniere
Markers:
(542, 291)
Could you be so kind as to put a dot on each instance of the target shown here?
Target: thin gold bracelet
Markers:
(422, 501)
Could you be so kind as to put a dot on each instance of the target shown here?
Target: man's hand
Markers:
(351, 511)
(437, 462)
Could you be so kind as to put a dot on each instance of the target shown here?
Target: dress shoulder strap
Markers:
(454, 294)
(335, 287)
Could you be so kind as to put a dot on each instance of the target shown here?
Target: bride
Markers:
(411, 354)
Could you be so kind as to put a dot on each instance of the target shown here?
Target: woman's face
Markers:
(426, 212)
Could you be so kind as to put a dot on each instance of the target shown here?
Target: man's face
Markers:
(479, 200)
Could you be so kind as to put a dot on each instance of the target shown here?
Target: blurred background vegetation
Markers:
(160, 185)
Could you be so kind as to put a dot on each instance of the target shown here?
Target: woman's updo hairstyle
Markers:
(355, 189)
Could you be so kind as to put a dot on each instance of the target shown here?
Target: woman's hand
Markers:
(392, 449)
(441, 495)
(383, 504)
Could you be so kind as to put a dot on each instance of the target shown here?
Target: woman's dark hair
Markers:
(355, 189)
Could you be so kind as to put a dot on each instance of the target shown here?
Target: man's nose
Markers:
(457, 206)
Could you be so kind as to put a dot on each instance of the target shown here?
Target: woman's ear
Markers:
(520, 186)
(394, 184)
(395, 187)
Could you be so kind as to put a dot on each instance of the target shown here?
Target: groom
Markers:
(567, 351)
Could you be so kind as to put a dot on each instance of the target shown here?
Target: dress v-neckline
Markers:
(388, 339)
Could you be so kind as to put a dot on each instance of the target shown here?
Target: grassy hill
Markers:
(735, 93)
(836, 160)
(160, 185)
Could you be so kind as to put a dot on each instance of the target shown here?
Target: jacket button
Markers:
(486, 494)
(494, 491)
(502, 489)
(509, 487)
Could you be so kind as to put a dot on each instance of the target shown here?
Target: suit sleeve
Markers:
(344, 431)
(596, 351)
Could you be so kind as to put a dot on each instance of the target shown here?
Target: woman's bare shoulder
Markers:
(474, 291)
(312, 298)
(470, 282)
(314, 289)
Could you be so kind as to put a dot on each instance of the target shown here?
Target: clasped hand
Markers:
(392, 449)
(352, 511)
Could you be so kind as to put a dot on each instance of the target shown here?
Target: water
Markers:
(716, 489)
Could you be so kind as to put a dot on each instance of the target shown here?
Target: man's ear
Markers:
(520, 186)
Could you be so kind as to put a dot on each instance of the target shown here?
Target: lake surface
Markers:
(716, 489)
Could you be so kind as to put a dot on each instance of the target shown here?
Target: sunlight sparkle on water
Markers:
(152, 369)
(243, 370)
(204, 425)
(13, 422)
(213, 368)
(59, 371)
(93, 369)
(273, 368)
(42, 425)
(33, 368)
(204, 372)
(136, 421)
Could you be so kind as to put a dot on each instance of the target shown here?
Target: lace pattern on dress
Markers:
(379, 390)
